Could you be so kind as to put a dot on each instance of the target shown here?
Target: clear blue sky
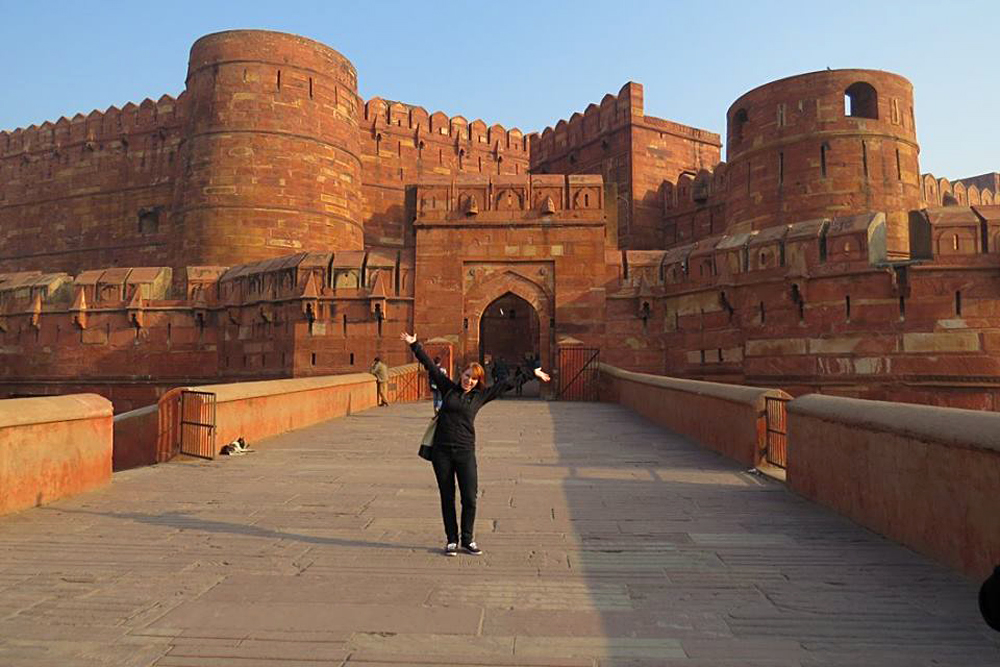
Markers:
(528, 64)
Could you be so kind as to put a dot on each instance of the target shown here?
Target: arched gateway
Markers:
(508, 316)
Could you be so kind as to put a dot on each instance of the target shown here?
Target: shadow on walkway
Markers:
(732, 565)
(186, 521)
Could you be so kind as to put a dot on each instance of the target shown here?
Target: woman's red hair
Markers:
(478, 374)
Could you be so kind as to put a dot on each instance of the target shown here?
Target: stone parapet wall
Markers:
(53, 447)
(920, 475)
(256, 410)
(135, 438)
(729, 419)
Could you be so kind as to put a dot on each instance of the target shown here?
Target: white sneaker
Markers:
(472, 548)
(451, 549)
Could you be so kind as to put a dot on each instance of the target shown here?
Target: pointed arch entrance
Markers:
(532, 318)
(508, 331)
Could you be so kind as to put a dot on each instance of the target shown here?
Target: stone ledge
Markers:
(50, 409)
(968, 429)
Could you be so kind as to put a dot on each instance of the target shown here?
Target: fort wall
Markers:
(92, 190)
(130, 334)
(814, 307)
(266, 224)
(402, 144)
(635, 151)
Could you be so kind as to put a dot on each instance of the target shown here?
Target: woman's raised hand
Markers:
(410, 339)
(542, 375)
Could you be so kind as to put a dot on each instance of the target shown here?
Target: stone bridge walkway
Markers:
(608, 542)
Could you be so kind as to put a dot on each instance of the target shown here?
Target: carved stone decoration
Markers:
(135, 309)
(310, 298)
(472, 206)
(36, 311)
(79, 309)
(548, 206)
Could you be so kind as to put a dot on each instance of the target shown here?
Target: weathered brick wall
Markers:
(402, 145)
(510, 244)
(637, 152)
(813, 308)
(90, 191)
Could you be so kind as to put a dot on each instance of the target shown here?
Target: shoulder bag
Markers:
(427, 442)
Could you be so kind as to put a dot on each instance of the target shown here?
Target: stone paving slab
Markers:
(609, 543)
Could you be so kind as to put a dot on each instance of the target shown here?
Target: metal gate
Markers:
(578, 373)
(777, 431)
(198, 423)
(408, 386)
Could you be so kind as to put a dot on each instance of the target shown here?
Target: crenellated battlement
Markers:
(109, 125)
(613, 113)
(385, 114)
(962, 192)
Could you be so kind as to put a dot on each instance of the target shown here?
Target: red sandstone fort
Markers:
(269, 223)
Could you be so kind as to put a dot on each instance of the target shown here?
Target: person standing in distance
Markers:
(454, 452)
(381, 373)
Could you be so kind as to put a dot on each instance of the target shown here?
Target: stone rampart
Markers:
(819, 305)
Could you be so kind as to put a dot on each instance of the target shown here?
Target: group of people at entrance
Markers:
(454, 447)
(519, 375)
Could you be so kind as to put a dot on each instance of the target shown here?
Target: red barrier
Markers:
(920, 475)
(53, 447)
(730, 419)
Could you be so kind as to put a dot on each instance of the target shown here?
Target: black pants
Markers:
(449, 463)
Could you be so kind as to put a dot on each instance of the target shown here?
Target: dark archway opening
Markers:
(861, 101)
(509, 339)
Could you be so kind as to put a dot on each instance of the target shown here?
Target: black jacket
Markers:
(457, 416)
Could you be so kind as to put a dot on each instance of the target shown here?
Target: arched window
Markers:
(861, 101)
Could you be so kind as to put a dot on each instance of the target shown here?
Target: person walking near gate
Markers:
(454, 449)
(381, 373)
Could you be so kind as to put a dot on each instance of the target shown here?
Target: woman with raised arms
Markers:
(454, 451)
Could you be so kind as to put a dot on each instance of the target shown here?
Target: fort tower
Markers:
(270, 163)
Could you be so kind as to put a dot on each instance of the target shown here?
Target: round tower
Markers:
(824, 144)
(270, 163)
